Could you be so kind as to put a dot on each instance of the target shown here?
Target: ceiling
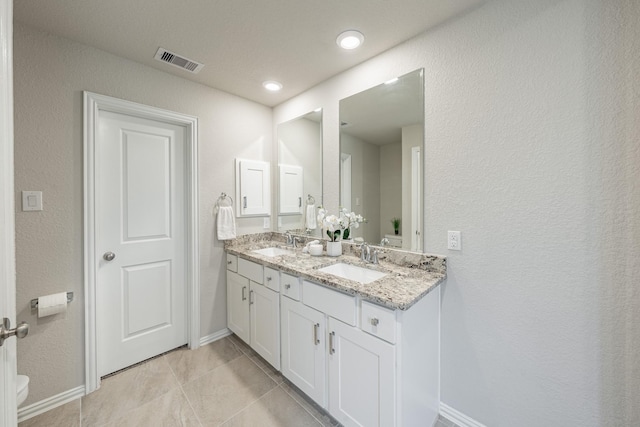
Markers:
(377, 115)
(241, 42)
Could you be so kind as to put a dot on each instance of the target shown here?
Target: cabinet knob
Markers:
(229, 262)
(287, 286)
(268, 279)
(375, 321)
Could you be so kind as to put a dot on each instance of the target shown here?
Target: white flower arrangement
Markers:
(340, 225)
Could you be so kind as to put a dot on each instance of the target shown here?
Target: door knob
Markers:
(6, 332)
(109, 256)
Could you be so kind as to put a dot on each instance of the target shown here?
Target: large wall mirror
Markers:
(381, 149)
(300, 173)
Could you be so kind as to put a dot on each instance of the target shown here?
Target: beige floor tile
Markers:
(191, 364)
(226, 390)
(67, 415)
(169, 410)
(242, 346)
(274, 409)
(309, 405)
(267, 368)
(127, 390)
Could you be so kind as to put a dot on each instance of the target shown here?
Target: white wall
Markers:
(532, 152)
(50, 75)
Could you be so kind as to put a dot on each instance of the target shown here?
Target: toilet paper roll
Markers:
(52, 304)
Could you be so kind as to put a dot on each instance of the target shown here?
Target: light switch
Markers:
(31, 201)
(266, 223)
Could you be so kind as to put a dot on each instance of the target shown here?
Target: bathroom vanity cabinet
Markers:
(366, 364)
(253, 310)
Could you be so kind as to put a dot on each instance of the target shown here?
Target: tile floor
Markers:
(224, 383)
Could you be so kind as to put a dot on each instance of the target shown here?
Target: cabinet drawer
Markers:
(378, 321)
(251, 270)
(336, 304)
(290, 286)
(232, 262)
(272, 279)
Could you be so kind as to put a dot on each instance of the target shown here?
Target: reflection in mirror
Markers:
(300, 173)
(381, 145)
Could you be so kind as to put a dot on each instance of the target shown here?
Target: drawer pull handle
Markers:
(316, 341)
(375, 321)
(244, 296)
(287, 286)
(331, 349)
(251, 297)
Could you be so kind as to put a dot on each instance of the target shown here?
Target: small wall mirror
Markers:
(381, 149)
(300, 173)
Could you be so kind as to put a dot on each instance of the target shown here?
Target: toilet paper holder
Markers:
(34, 302)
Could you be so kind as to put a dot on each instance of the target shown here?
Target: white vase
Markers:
(334, 248)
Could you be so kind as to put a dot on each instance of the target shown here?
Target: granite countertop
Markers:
(410, 276)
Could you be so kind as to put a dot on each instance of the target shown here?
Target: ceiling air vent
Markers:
(178, 61)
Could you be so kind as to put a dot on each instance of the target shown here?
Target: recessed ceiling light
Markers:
(350, 39)
(317, 110)
(392, 81)
(272, 85)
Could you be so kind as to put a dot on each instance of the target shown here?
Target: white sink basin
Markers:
(353, 272)
(272, 251)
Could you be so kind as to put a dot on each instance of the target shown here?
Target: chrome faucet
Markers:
(384, 241)
(365, 252)
(291, 239)
(374, 257)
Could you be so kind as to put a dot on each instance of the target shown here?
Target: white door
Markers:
(140, 222)
(264, 306)
(238, 305)
(416, 199)
(7, 264)
(361, 377)
(303, 348)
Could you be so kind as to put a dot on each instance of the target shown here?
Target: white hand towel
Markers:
(226, 223)
(312, 221)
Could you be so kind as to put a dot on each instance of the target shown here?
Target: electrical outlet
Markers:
(267, 223)
(454, 241)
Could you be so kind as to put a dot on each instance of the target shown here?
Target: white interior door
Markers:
(345, 181)
(140, 221)
(7, 229)
(416, 199)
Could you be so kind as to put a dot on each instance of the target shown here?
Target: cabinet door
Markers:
(361, 377)
(303, 348)
(290, 194)
(265, 323)
(253, 188)
(238, 305)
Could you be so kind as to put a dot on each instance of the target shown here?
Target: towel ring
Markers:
(311, 200)
(223, 199)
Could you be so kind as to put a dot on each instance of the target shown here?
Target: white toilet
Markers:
(22, 388)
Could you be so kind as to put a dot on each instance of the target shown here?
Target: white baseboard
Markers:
(50, 403)
(215, 336)
(458, 417)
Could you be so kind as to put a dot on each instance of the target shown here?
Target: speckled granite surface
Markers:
(410, 275)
